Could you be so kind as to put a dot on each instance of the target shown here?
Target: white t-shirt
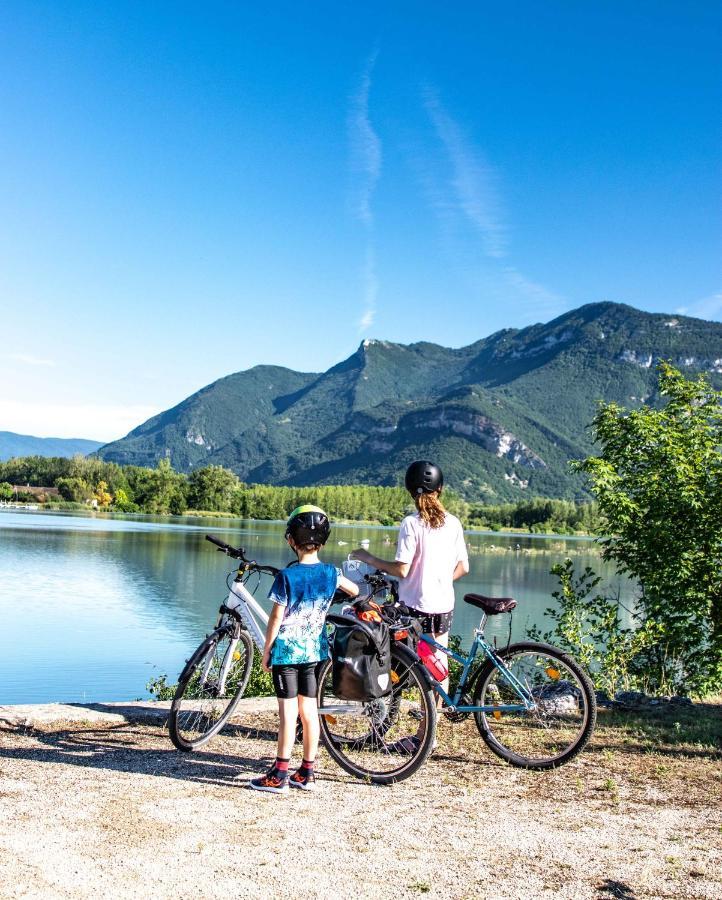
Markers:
(433, 554)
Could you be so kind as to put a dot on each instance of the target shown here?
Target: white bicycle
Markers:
(216, 675)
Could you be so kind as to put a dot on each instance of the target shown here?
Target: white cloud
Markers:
(366, 160)
(473, 181)
(92, 421)
(471, 199)
(707, 308)
(546, 302)
(365, 145)
(370, 288)
(30, 360)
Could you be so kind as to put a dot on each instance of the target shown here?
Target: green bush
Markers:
(589, 627)
(658, 482)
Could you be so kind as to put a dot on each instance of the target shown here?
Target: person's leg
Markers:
(308, 710)
(285, 682)
(287, 714)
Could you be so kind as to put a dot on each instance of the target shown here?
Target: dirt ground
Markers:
(110, 808)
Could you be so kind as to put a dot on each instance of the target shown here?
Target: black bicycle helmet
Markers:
(308, 525)
(423, 477)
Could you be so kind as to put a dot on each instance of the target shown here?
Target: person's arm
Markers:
(462, 555)
(347, 586)
(272, 629)
(462, 568)
(390, 566)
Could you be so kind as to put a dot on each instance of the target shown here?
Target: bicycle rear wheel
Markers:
(202, 705)
(384, 740)
(560, 722)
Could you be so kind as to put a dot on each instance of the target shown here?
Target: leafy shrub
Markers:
(589, 627)
(259, 684)
(658, 482)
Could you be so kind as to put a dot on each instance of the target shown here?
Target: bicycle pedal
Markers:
(416, 714)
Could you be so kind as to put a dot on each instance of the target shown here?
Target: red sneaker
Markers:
(271, 782)
(304, 782)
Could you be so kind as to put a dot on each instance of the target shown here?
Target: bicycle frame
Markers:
(241, 602)
(453, 703)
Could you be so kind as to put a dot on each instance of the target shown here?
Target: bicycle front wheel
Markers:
(562, 706)
(209, 688)
(384, 740)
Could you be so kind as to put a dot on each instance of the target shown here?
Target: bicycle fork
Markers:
(239, 600)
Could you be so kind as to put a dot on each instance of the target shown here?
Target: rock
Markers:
(631, 698)
(559, 698)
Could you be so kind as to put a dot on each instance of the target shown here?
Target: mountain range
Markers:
(12, 444)
(502, 416)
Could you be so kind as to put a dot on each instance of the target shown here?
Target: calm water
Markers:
(92, 607)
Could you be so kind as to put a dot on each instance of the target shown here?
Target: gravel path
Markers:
(107, 807)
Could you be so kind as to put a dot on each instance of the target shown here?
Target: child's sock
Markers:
(281, 766)
(306, 767)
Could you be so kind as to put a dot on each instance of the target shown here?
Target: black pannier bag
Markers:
(361, 659)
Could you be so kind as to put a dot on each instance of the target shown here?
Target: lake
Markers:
(92, 607)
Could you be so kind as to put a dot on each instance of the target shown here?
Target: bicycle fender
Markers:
(412, 661)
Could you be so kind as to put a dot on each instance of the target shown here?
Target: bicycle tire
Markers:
(366, 742)
(558, 727)
(197, 713)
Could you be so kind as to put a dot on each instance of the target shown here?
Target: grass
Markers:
(652, 756)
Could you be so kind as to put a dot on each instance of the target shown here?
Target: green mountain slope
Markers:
(503, 416)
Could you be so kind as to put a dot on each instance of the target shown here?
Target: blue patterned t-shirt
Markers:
(306, 592)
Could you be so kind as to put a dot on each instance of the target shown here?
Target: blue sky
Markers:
(188, 190)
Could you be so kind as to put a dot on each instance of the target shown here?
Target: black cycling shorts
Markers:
(290, 681)
(434, 623)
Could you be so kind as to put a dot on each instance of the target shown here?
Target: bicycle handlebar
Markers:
(239, 553)
(220, 544)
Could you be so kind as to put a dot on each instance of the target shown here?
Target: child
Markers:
(296, 642)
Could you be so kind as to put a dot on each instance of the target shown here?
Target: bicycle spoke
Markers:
(201, 707)
(557, 720)
(377, 739)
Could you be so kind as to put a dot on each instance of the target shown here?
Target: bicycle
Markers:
(533, 705)
(216, 675)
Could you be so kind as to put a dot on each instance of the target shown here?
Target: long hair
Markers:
(431, 509)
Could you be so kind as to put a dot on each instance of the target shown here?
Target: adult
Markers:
(430, 553)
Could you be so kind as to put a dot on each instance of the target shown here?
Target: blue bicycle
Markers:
(533, 705)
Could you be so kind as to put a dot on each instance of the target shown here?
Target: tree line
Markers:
(163, 491)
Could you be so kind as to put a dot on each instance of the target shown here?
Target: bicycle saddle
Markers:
(491, 605)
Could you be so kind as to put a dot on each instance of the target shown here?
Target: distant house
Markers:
(41, 494)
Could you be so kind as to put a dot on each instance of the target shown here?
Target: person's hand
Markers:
(361, 554)
(266, 661)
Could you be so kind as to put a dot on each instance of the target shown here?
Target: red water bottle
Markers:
(434, 660)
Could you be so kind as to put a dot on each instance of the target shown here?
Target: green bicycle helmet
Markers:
(308, 525)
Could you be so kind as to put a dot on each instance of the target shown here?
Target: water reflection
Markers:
(92, 607)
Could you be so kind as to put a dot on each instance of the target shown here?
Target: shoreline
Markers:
(28, 715)
(75, 512)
